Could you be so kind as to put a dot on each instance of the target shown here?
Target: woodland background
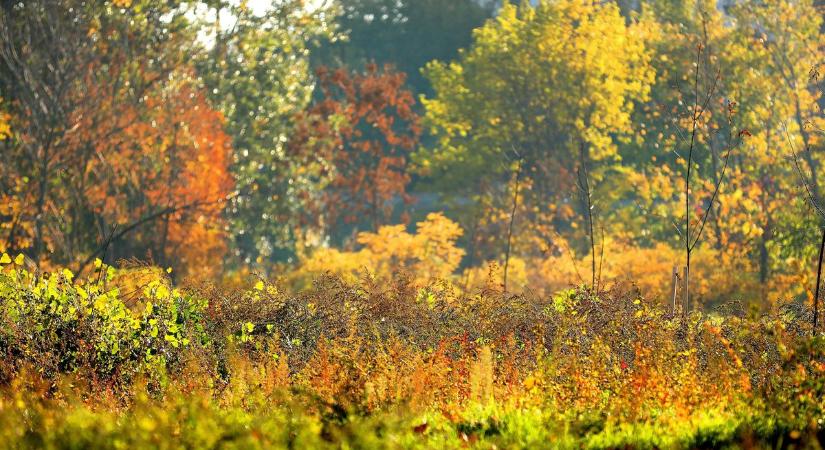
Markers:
(531, 147)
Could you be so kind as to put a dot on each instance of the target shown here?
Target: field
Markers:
(104, 362)
(361, 224)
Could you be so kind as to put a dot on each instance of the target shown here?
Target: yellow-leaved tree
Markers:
(542, 91)
(748, 74)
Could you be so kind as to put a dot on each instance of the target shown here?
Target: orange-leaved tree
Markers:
(167, 176)
(114, 149)
(364, 127)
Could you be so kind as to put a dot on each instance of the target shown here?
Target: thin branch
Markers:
(715, 193)
(811, 197)
(140, 222)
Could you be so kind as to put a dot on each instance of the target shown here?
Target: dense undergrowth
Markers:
(123, 359)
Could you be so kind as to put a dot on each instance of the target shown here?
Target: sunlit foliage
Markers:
(431, 253)
(357, 364)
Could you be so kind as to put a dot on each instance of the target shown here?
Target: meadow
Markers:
(124, 359)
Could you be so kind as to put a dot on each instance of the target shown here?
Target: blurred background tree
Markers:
(257, 73)
(363, 129)
(405, 33)
(549, 86)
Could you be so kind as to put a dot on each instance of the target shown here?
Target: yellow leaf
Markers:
(19, 259)
(259, 286)
(5, 259)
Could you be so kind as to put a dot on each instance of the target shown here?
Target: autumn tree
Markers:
(364, 127)
(544, 88)
(114, 145)
(790, 43)
(165, 176)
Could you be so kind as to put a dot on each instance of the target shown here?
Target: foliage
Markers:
(543, 88)
(561, 270)
(258, 75)
(57, 324)
(362, 131)
(430, 253)
(111, 135)
(198, 131)
(565, 158)
(716, 56)
(376, 365)
(182, 157)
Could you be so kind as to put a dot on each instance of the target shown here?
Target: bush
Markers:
(123, 358)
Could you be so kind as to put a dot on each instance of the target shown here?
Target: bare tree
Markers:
(692, 235)
(697, 111)
(519, 168)
(586, 194)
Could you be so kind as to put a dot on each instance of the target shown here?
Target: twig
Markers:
(811, 197)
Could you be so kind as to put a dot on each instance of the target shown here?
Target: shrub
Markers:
(393, 363)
